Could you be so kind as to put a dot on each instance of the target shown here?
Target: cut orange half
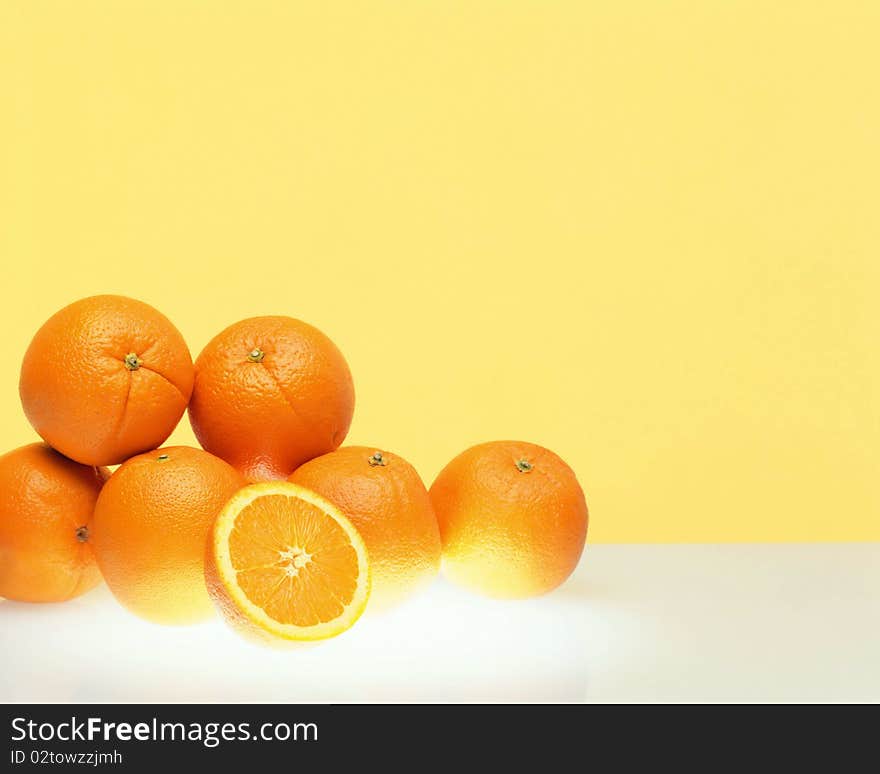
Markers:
(283, 564)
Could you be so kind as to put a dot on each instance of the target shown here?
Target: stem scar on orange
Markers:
(512, 518)
(271, 393)
(106, 378)
(46, 504)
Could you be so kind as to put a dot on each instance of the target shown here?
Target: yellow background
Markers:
(642, 234)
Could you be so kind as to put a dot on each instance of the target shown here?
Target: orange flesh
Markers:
(293, 560)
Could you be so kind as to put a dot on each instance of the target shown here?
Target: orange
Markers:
(512, 517)
(284, 565)
(150, 526)
(271, 393)
(46, 502)
(383, 496)
(105, 378)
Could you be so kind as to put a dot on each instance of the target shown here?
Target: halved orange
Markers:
(283, 564)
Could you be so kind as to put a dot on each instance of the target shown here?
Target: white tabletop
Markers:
(635, 623)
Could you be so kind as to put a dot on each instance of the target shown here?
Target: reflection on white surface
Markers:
(442, 645)
(665, 623)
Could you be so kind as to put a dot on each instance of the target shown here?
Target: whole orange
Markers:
(271, 393)
(383, 496)
(46, 502)
(150, 528)
(105, 378)
(512, 517)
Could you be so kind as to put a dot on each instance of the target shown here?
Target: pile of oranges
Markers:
(273, 524)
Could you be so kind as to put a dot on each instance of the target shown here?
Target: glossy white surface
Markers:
(635, 623)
